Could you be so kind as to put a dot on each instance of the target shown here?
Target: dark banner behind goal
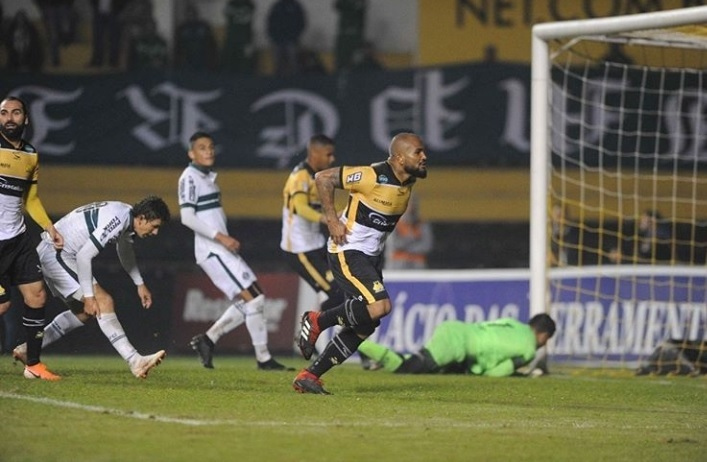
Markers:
(469, 115)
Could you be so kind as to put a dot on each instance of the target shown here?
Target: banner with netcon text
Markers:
(453, 31)
(198, 303)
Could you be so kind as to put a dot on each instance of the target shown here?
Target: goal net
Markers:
(619, 185)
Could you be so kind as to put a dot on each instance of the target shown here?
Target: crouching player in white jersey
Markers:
(69, 275)
(216, 253)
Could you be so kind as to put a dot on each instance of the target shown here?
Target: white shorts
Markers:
(229, 272)
(60, 272)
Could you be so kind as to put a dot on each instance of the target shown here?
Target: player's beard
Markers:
(14, 133)
(417, 172)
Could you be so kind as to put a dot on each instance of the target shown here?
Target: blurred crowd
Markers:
(124, 35)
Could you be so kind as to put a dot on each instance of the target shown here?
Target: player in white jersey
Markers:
(216, 253)
(68, 273)
(378, 196)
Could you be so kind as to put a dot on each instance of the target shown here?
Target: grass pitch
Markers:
(183, 412)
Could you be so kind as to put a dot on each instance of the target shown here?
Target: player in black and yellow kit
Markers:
(303, 243)
(19, 263)
(378, 196)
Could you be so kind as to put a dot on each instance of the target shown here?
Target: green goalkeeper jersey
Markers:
(493, 348)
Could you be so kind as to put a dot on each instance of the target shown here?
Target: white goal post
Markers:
(625, 30)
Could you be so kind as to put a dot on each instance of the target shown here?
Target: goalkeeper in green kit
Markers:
(492, 348)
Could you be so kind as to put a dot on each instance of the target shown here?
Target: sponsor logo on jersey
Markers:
(114, 223)
(383, 179)
(380, 220)
(5, 185)
(354, 177)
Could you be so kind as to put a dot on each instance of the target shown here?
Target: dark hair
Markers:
(321, 139)
(15, 98)
(152, 208)
(198, 135)
(543, 323)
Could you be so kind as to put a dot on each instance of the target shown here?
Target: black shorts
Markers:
(360, 275)
(19, 263)
(313, 267)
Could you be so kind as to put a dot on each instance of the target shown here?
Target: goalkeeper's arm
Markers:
(536, 367)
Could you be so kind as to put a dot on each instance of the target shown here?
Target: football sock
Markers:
(390, 360)
(113, 330)
(62, 324)
(255, 322)
(338, 350)
(262, 354)
(33, 321)
(352, 312)
(229, 320)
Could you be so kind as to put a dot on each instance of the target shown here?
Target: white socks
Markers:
(65, 322)
(229, 320)
(113, 330)
(255, 322)
(252, 313)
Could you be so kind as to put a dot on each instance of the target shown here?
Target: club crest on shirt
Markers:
(378, 287)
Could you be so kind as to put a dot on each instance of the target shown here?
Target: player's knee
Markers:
(35, 296)
(105, 301)
(379, 308)
(251, 292)
(255, 306)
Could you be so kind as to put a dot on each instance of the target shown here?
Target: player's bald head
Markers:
(402, 142)
(406, 155)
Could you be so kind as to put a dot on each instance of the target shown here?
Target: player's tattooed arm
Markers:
(327, 182)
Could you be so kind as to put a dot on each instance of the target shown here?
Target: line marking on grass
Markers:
(117, 412)
(434, 423)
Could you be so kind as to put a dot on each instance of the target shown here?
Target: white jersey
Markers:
(102, 223)
(198, 190)
(93, 227)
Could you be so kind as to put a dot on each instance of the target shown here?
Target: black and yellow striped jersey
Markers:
(298, 233)
(377, 199)
(19, 169)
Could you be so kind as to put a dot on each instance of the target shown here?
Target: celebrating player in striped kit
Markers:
(378, 196)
